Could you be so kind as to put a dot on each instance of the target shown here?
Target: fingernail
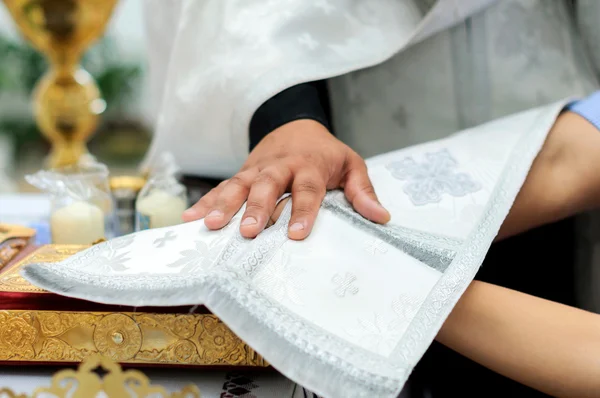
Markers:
(296, 227)
(249, 221)
(384, 210)
(381, 207)
(377, 204)
(189, 212)
(215, 213)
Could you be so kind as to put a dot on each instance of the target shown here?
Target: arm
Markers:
(545, 345)
(564, 179)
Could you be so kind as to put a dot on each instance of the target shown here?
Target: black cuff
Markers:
(304, 101)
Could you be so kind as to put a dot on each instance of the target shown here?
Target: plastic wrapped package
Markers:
(81, 209)
(163, 199)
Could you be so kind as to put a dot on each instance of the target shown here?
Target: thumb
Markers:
(360, 192)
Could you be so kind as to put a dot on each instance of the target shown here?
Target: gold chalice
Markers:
(66, 101)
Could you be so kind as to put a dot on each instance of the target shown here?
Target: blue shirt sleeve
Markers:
(588, 108)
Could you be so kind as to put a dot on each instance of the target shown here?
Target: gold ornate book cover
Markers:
(13, 240)
(40, 327)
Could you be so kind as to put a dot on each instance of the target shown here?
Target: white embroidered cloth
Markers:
(350, 310)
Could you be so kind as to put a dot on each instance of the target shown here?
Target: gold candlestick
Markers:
(66, 101)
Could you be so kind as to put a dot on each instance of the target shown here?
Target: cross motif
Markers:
(376, 246)
(160, 242)
(429, 180)
(345, 284)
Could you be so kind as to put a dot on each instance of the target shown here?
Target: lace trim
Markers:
(435, 251)
(443, 297)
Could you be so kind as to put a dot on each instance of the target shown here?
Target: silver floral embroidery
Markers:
(111, 256)
(168, 236)
(429, 180)
(201, 257)
(382, 335)
(344, 284)
(280, 280)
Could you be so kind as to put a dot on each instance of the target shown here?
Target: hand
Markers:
(301, 157)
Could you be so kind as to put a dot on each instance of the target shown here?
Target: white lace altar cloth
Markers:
(349, 311)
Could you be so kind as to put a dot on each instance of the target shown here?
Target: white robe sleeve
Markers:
(229, 56)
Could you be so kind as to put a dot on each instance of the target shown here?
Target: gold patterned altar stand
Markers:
(38, 327)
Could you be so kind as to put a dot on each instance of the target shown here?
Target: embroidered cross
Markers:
(376, 246)
(160, 242)
(427, 181)
(345, 284)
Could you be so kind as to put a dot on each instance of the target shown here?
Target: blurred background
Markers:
(116, 61)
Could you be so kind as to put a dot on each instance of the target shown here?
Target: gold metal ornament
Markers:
(34, 335)
(132, 183)
(85, 383)
(67, 101)
(7, 393)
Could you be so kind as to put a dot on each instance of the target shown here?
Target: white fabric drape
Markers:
(407, 70)
(515, 55)
(349, 311)
(220, 59)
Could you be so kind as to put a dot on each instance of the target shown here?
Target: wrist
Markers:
(300, 102)
(306, 127)
(299, 133)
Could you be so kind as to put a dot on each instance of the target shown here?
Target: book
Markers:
(13, 240)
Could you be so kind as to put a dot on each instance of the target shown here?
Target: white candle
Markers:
(79, 223)
(161, 209)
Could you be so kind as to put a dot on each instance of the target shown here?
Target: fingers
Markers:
(361, 194)
(277, 212)
(268, 186)
(229, 200)
(308, 191)
(202, 207)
